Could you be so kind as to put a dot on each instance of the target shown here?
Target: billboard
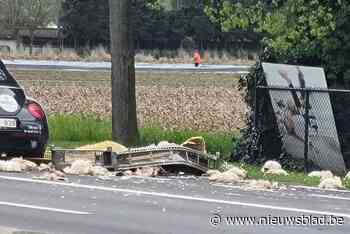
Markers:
(289, 108)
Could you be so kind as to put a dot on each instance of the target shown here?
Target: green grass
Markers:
(78, 128)
(294, 178)
(75, 130)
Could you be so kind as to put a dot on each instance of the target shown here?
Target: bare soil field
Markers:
(208, 102)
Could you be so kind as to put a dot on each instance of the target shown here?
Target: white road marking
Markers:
(318, 189)
(43, 208)
(146, 178)
(330, 197)
(226, 186)
(180, 197)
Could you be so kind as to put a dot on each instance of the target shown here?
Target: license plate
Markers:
(8, 123)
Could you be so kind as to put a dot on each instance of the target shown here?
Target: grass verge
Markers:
(294, 177)
(76, 130)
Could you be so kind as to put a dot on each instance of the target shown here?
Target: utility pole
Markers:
(124, 120)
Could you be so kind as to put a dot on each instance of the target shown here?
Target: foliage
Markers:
(37, 13)
(86, 22)
(157, 25)
(26, 14)
(294, 31)
(78, 128)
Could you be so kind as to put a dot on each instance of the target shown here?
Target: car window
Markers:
(5, 77)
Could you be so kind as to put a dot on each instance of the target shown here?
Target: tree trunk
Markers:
(18, 38)
(75, 39)
(124, 119)
(31, 38)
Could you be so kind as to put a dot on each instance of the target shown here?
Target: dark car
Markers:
(23, 123)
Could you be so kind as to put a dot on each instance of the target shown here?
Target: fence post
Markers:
(255, 103)
(306, 137)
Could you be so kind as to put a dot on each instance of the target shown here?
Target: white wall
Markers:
(10, 43)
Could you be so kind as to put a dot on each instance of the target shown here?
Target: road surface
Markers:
(106, 66)
(169, 205)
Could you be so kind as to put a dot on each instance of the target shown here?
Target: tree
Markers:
(36, 14)
(156, 24)
(16, 15)
(86, 22)
(304, 32)
(124, 118)
(11, 17)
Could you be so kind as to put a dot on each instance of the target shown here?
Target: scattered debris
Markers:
(116, 147)
(238, 171)
(225, 177)
(233, 175)
(99, 171)
(347, 177)
(79, 167)
(215, 176)
(321, 174)
(127, 173)
(143, 172)
(260, 185)
(83, 167)
(52, 175)
(331, 183)
(45, 167)
(17, 165)
(225, 166)
(271, 165)
(273, 168)
(10, 166)
(327, 180)
(138, 172)
(149, 171)
(25, 164)
(212, 172)
(279, 172)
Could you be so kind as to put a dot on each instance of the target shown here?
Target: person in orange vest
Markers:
(197, 58)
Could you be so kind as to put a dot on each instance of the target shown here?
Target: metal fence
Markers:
(312, 124)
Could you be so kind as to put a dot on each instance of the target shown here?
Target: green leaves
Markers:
(310, 32)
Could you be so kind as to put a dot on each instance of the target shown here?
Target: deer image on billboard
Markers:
(289, 108)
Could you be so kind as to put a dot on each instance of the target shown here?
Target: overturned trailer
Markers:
(171, 158)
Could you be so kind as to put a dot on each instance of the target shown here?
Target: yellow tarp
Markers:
(196, 143)
(104, 146)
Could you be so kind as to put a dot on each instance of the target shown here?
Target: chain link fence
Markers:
(311, 125)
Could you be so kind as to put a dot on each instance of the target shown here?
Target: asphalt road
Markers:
(170, 205)
(106, 66)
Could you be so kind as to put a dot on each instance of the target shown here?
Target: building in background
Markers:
(43, 37)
